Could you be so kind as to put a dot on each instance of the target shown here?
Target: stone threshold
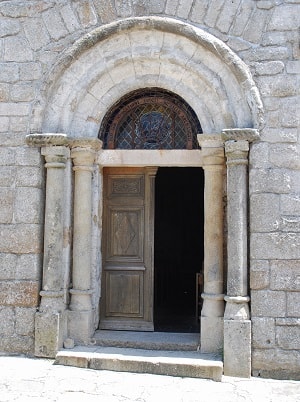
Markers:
(148, 340)
(162, 362)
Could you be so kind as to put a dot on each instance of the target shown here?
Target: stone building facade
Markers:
(63, 66)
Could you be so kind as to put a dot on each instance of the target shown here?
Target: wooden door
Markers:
(127, 249)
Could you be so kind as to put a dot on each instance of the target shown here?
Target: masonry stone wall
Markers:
(265, 35)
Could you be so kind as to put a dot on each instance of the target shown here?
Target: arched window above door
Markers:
(150, 119)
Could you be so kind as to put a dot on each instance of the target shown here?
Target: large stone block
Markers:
(290, 204)
(50, 331)
(285, 275)
(28, 205)
(276, 363)
(227, 16)
(19, 294)
(17, 344)
(29, 176)
(288, 337)
(263, 332)
(8, 266)
(54, 24)
(268, 303)
(259, 155)
(198, 11)
(22, 93)
(86, 12)
(277, 181)
(278, 135)
(7, 321)
(25, 321)
(9, 27)
(16, 49)
(184, 8)
(237, 348)
(31, 27)
(9, 72)
(29, 267)
(269, 67)
(259, 274)
(21, 238)
(14, 109)
(30, 71)
(258, 19)
(26, 156)
(285, 18)
(266, 53)
(275, 246)
(264, 212)
(293, 303)
(285, 156)
(279, 85)
(70, 19)
(6, 205)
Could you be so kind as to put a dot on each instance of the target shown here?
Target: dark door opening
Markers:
(178, 247)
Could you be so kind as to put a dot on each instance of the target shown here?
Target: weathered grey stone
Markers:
(28, 205)
(4, 126)
(17, 49)
(293, 67)
(6, 205)
(14, 109)
(54, 24)
(275, 245)
(30, 71)
(7, 321)
(31, 27)
(227, 15)
(269, 67)
(285, 156)
(22, 93)
(290, 204)
(28, 267)
(277, 181)
(290, 224)
(28, 156)
(285, 17)
(9, 72)
(266, 5)
(19, 293)
(242, 18)
(70, 19)
(277, 135)
(49, 334)
(293, 303)
(198, 10)
(8, 266)
(214, 8)
(264, 212)
(237, 348)
(259, 274)
(7, 176)
(280, 85)
(276, 363)
(267, 303)
(17, 344)
(263, 332)
(29, 176)
(258, 19)
(288, 337)
(285, 275)
(265, 54)
(25, 321)
(171, 7)
(9, 27)
(86, 12)
(238, 44)
(259, 156)
(22, 238)
(4, 93)
(184, 8)
(17, 124)
(290, 112)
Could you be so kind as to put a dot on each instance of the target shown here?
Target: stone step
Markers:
(148, 340)
(162, 362)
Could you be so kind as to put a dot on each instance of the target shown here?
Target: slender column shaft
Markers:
(213, 298)
(56, 158)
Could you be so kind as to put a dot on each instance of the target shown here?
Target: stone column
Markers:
(213, 297)
(50, 321)
(81, 314)
(237, 324)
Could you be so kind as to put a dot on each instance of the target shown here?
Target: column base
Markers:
(237, 348)
(50, 332)
(212, 334)
(81, 326)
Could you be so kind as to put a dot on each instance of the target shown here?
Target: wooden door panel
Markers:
(126, 234)
(127, 269)
(124, 292)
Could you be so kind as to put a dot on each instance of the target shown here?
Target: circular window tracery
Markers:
(150, 119)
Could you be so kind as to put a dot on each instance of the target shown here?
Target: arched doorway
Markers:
(149, 274)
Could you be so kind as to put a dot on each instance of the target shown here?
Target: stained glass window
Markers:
(150, 119)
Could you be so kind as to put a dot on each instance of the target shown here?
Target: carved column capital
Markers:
(46, 139)
(212, 149)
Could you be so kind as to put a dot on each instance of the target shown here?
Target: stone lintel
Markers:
(240, 134)
(46, 139)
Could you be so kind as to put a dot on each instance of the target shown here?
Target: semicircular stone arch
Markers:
(135, 53)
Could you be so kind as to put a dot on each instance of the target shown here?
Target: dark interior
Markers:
(179, 247)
